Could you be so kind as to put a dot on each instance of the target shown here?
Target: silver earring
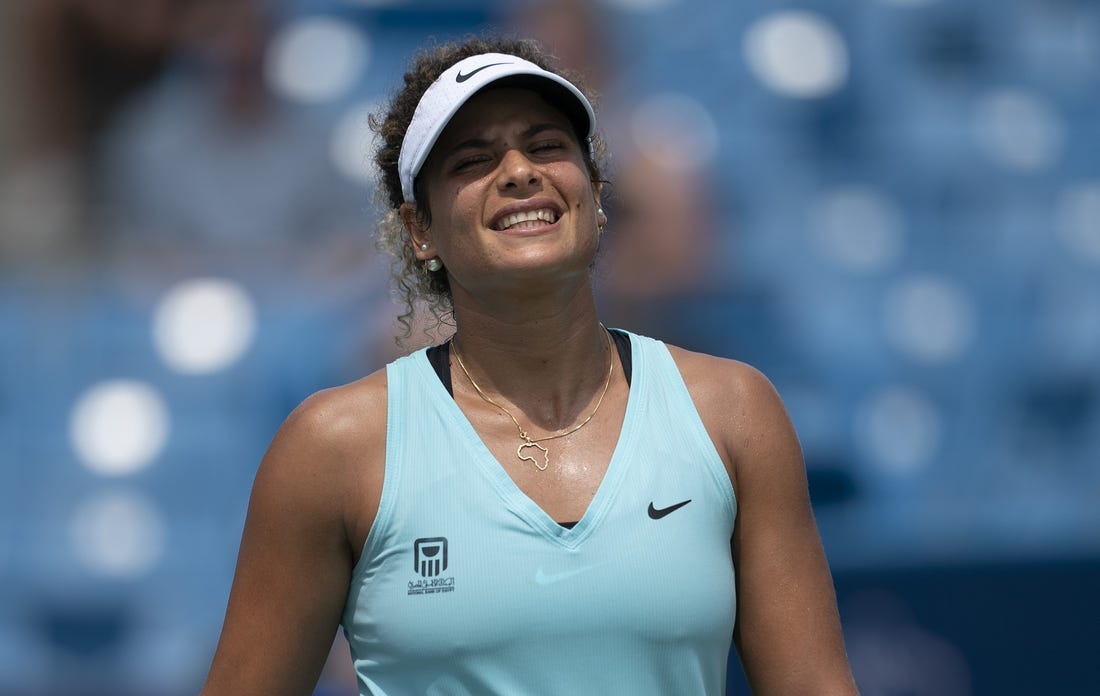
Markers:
(433, 264)
(601, 220)
(423, 246)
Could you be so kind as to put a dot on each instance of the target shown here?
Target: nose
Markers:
(517, 171)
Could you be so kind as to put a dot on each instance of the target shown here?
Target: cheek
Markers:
(467, 202)
(460, 215)
(573, 177)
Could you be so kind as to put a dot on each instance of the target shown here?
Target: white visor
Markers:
(454, 88)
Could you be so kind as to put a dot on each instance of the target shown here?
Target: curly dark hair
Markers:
(415, 285)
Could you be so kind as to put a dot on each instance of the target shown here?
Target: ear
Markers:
(597, 186)
(418, 233)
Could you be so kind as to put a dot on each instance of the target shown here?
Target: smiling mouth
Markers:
(526, 220)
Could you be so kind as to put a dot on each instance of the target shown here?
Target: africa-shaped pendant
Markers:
(528, 442)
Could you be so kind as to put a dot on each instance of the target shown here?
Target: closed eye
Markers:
(547, 146)
(469, 162)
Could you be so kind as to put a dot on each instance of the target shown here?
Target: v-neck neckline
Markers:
(517, 500)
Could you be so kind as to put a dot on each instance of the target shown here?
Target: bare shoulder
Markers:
(728, 389)
(340, 420)
(329, 453)
(739, 406)
(721, 378)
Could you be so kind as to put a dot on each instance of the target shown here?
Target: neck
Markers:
(529, 331)
(547, 363)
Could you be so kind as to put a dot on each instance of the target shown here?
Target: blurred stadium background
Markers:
(892, 207)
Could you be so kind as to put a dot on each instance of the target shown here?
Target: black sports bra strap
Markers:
(622, 345)
(440, 359)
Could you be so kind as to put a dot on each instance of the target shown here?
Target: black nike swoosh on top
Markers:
(462, 77)
(656, 514)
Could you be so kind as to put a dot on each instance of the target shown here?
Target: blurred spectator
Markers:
(664, 223)
(210, 170)
(74, 64)
(148, 127)
(208, 162)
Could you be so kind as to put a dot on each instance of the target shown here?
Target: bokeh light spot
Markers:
(316, 59)
(118, 427)
(797, 54)
(350, 144)
(1078, 220)
(675, 130)
(1018, 130)
(858, 229)
(898, 430)
(203, 325)
(929, 319)
(117, 534)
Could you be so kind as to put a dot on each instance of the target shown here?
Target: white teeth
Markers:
(541, 215)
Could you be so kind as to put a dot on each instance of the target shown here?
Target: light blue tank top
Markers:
(465, 586)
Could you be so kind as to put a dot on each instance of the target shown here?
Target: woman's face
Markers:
(510, 196)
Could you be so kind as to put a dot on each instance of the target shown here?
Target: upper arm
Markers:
(788, 630)
(296, 551)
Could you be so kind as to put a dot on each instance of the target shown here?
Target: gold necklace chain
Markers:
(528, 441)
